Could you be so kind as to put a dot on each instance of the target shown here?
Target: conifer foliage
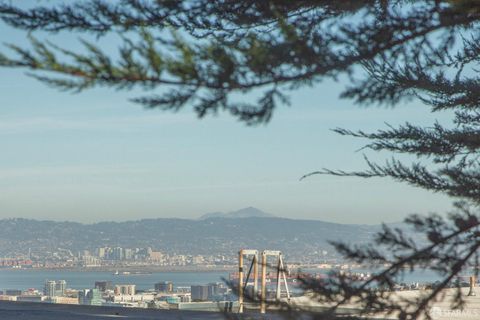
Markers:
(207, 54)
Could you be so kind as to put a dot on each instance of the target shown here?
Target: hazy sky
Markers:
(95, 156)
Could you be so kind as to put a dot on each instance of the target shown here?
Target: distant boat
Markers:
(139, 273)
(130, 273)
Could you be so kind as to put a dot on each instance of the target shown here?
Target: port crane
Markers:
(280, 275)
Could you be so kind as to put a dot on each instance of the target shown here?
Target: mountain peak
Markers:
(247, 212)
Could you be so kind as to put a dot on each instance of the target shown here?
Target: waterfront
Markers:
(193, 297)
(25, 279)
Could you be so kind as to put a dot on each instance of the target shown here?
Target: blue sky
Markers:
(95, 156)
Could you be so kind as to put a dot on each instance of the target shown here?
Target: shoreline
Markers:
(134, 270)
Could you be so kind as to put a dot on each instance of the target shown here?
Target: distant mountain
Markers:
(296, 238)
(248, 212)
(215, 234)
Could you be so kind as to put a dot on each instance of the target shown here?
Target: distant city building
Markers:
(100, 252)
(156, 256)
(185, 297)
(60, 287)
(91, 297)
(183, 289)
(90, 261)
(49, 288)
(117, 253)
(13, 292)
(216, 290)
(164, 286)
(62, 300)
(174, 298)
(55, 288)
(125, 289)
(103, 285)
(31, 298)
(127, 254)
(198, 260)
(199, 293)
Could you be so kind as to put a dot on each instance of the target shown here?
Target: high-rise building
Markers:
(127, 254)
(90, 261)
(103, 285)
(60, 287)
(199, 293)
(92, 297)
(100, 252)
(49, 288)
(214, 290)
(218, 290)
(117, 253)
(164, 286)
(53, 288)
(128, 289)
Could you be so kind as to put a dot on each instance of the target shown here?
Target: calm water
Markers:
(421, 276)
(24, 279)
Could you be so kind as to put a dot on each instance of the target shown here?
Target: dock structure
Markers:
(242, 283)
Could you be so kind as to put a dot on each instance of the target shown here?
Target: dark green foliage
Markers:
(201, 52)
(204, 54)
(452, 246)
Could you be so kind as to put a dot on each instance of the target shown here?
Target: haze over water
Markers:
(25, 279)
